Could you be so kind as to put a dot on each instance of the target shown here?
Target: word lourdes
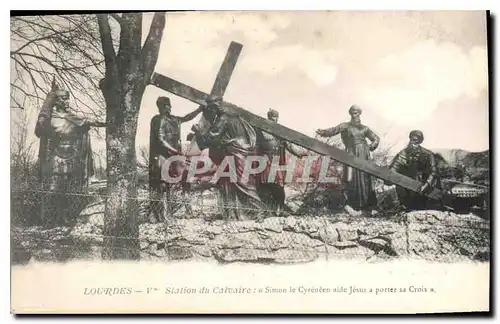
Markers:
(253, 165)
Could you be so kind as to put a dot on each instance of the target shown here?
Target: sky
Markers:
(406, 70)
(422, 70)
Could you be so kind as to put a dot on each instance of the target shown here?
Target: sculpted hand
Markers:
(320, 132)
(423, 188)
(173, 152)
(196, 128)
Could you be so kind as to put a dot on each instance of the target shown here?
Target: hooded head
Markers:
(213, 106)
(273, 115)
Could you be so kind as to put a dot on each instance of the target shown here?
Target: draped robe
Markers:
(231, 136)
(65, 163)
(358, 184)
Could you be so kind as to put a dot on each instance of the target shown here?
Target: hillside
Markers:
(469, 159)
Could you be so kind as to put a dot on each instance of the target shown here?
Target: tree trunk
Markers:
(120, 225)
(127, 75)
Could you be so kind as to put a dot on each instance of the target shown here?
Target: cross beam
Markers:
(226, 69)
(199, 97)
(221, 81)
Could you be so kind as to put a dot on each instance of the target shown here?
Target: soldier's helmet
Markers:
(163, 102)
(272, 113)
(417, 135)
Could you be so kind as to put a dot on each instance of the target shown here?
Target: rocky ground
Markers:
(430, 235)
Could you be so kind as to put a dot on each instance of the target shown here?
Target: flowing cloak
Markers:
(358, 184)
(419, 164)
(65, 153)
(231, 136)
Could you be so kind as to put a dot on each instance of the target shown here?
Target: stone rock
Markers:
(289, 223)
(242, 255)
(329, 234)
(204, 251)
(272, 224)
(295, 256)
(143, 244)
(431, 235)
(352, 253)
(178, 253)
(345, 234)
(482, 254)
(345, 244)
(378, 244)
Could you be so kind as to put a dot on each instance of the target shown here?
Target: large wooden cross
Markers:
(220, 84)
(182, 90)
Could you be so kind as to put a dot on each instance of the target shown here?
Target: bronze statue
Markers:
(65, 155)
(273, 193)
(164, 142)
(231, 138)
(418, 163)
(358, 185)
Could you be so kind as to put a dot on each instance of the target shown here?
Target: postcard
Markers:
(332, 162)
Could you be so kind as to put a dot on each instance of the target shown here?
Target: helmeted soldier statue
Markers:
(274, 148)
(418, 163)
(164, 142)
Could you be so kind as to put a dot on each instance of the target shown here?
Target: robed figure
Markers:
(231, 139)
(358, 184)
(65, 157)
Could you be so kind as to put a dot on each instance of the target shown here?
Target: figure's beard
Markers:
(414, 146)
(62, 107)
(356, 120)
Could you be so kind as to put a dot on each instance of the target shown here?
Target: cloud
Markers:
(192, 41)
(425, 75)
(198, 43)
(318, 66)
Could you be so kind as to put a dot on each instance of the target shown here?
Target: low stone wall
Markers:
(430, 235)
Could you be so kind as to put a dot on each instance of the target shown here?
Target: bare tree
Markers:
(127, 74)
(143, 162)
(79, 50)
(65, 47)
(22, 151)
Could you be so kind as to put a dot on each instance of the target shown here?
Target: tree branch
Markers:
(107, 45)
(151, 47)
(116, 17)
(130, 40)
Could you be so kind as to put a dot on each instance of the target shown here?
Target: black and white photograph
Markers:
(254, 141)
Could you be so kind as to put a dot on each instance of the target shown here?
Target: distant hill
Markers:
(477, 159)
(470, 159)
(473, 166)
